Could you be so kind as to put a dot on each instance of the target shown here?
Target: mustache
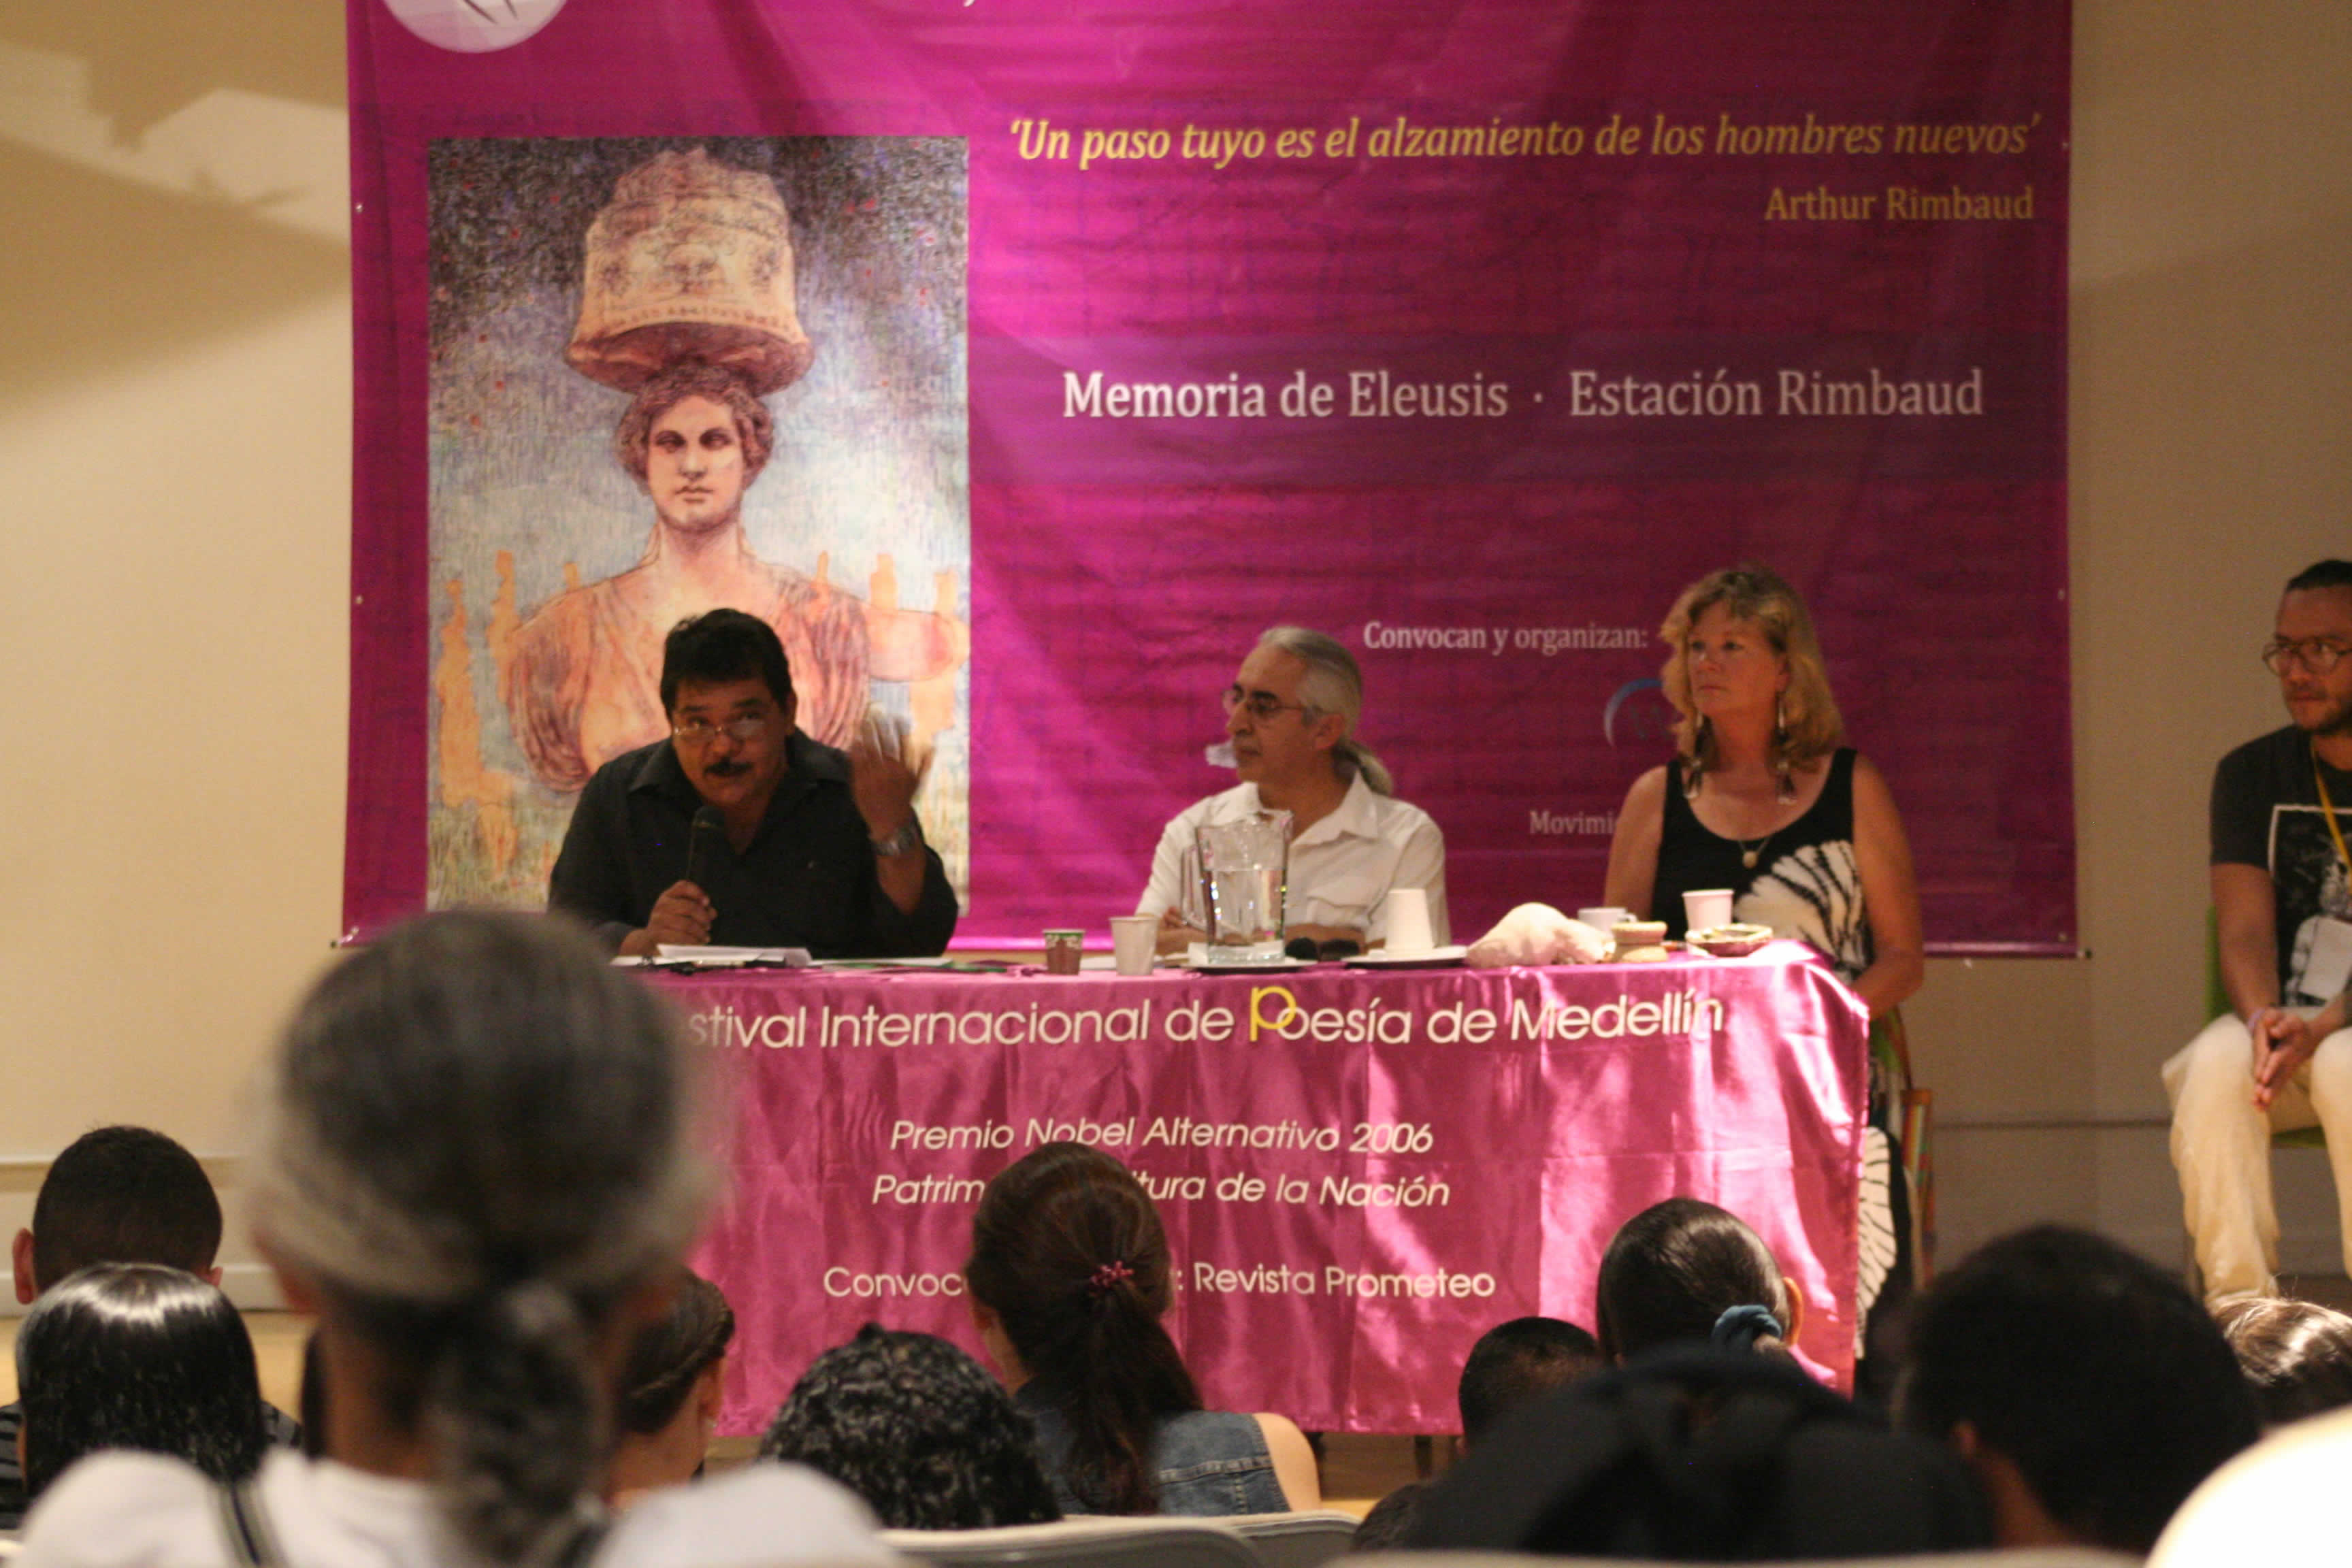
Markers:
(726, 768)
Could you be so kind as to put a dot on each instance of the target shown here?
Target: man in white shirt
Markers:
(1292, 712)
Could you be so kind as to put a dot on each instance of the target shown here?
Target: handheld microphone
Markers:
(703, 844)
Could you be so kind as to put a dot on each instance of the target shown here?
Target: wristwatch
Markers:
(908, 837)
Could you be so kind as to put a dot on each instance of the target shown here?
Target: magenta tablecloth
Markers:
(1360, 1171)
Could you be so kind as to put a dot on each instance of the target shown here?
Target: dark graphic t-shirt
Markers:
(2266, 813)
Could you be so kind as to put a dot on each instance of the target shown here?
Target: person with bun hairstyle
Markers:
(482, 1158)
(1686, 1272)
(1068, 1279)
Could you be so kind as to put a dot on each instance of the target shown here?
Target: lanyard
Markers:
(2327, 809)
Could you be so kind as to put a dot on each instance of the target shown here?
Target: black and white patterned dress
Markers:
(1805, 884)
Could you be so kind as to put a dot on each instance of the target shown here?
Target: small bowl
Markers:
(1731, 941)
(1639, 934)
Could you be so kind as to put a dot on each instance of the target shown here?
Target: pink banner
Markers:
(1361, 1173)
(1468, 331)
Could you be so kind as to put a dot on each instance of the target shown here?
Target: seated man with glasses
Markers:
(1291, 713)
(809, 846)
(2282, 1057)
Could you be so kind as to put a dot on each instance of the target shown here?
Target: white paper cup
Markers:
(1601, 917)
(1132, 939)
(1408, 922)
(1704, 909)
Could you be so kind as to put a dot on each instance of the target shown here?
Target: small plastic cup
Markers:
(1133, 939)
(1704, 909)
(1408, 922)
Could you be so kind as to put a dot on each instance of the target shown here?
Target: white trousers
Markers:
(2222, 1148)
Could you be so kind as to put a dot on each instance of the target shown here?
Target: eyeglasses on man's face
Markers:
(2318, 655)
(1259, 705)
(744, 728)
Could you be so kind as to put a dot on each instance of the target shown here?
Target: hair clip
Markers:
(1100, 1282)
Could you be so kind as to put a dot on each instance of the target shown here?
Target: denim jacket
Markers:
(1207, 1462)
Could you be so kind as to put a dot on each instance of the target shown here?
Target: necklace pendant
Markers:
(1748, 857)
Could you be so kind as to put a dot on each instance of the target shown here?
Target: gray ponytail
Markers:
(478, 1139)
(1354, 759)
(516, 1426)
(1333, 684)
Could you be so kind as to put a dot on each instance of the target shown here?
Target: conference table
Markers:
(1360, 1170)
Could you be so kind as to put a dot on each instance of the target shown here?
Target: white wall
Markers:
(174, 421)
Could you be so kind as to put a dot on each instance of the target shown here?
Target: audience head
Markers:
(1809, 726)
(1388, 1523)
(120, 1194)
(2088, 1389)
(480, 1159)
(1701, 1456)
(1515, 1363)
(671, 1392)
(2296, 1354)
(1674, 1272)
(136, 1355)
(1068, 1274)
(916, 1428)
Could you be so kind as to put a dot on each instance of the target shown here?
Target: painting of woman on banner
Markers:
(667, 273)
(688, 303)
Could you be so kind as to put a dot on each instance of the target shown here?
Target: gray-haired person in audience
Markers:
(916, 1428)
(481, 1160)
(116, 1195)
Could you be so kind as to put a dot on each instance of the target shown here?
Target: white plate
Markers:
(1259, 967)
(1435, 958)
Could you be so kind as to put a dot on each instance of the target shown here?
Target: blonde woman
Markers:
(1762, 797)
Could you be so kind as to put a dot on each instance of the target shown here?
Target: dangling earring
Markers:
(1780, 748)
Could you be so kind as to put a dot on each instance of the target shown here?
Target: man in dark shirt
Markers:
(2282, 1057)
(115, 1194)
(799, 844)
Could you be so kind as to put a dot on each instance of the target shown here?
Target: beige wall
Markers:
(175, 438)
(174, 426)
